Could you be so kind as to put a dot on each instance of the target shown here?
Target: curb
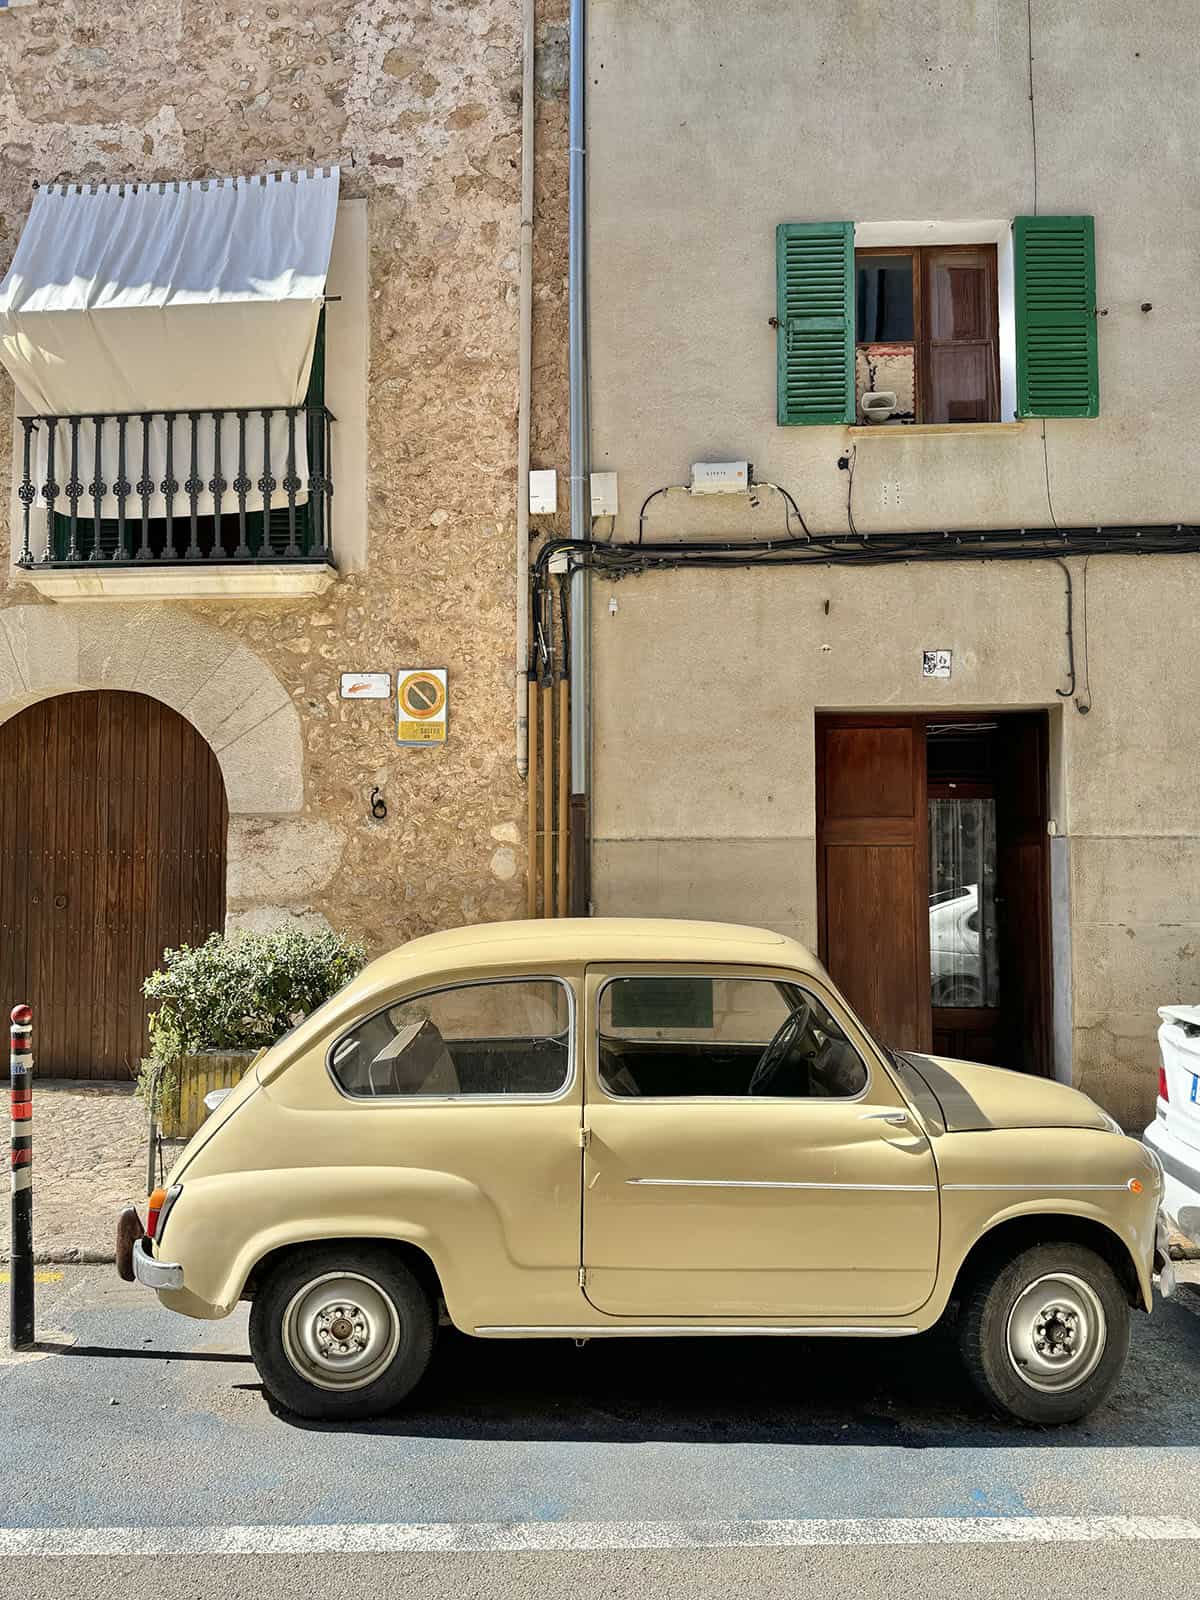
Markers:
(67, 1256)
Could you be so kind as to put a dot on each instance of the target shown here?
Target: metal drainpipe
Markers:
(525, 401)
(580, 499)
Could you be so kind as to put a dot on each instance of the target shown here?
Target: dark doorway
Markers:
(933, 880)
(112, 846)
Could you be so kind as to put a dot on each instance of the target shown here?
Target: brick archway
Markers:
(220, 686)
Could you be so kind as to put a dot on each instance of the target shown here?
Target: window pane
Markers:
(483, 1038)
(884, 299)
(962, 903)
(663, 1003)
(736, 1037)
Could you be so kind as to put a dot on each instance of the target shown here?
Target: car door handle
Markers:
(895, 1116)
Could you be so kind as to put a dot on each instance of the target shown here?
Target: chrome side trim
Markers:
(764, 1183)
(1034, 1188)
(706, 1331)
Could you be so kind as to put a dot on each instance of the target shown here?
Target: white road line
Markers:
(501, 1537)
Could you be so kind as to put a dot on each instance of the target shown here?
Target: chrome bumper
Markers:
(155, 1274)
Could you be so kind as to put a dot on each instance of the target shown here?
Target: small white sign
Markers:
(936, 663)
(366, 685)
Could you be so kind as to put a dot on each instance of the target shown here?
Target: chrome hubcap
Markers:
(340, 1331)
(1056, 1333)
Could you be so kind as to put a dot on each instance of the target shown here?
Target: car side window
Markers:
(667, 1037)
(509, 1037)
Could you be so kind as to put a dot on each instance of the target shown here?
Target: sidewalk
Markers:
(89, 1159)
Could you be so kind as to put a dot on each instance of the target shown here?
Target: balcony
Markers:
(252, 516)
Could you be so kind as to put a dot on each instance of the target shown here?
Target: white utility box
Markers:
(604, 494)
(543, 493)
(721, 477)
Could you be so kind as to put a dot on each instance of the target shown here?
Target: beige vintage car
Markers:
(640, 1129)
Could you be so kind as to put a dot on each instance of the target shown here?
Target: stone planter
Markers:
(182, 1112)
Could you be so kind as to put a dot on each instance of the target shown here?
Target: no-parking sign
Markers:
(421, 705)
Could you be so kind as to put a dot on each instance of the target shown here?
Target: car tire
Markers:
(341, 1332)
(1044, 1334)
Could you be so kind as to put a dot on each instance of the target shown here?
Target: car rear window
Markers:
(506, 1037)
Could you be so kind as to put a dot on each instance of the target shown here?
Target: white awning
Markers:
(169, 297)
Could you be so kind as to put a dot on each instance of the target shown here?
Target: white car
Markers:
(954, 952)
(1174, 1135)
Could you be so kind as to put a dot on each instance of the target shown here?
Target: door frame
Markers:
(919, 721)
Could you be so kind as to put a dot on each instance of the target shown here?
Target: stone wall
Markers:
(419, 101)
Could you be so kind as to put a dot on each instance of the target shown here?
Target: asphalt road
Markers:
(523, 1469)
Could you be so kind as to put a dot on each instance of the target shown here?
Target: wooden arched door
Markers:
(112, 847)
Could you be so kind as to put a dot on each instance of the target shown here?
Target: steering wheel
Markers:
(775, 1055)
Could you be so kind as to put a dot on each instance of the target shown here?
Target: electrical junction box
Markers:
(543, 493)
(604, 494)
(721, 477)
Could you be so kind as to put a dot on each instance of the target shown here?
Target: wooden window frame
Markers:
(922, 257)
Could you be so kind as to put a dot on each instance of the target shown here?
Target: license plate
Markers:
(1194, 1097)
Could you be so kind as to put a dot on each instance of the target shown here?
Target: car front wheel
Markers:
(341, 1332)
(1045, 1334)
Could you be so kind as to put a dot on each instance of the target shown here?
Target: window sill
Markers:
(183, 582)
(974, 430)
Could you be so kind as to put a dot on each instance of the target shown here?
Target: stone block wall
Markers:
(419, 102)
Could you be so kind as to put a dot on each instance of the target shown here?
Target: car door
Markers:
(710, 1192)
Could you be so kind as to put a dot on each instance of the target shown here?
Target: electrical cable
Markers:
(1012, 544)
(1046, 468)
(1083, 701)
(564, 625)
(790, 507)
(850, 490)
(653, 495)
(1069, 692)
(1006, 544)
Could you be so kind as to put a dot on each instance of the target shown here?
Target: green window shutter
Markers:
(814, 266)
(316, 377)
(1057, 365)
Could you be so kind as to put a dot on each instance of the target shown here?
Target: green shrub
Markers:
(244, 992)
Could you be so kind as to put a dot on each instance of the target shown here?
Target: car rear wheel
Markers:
(341, 1332)
(1044, 1334)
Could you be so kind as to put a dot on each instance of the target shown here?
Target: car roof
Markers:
(574, 940)
(545, 945)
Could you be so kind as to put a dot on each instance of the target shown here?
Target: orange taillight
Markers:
(154, 1208)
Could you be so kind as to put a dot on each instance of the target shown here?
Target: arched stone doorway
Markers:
(113, 824)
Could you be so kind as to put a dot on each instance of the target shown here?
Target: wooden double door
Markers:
(933, 880)
(113, 822)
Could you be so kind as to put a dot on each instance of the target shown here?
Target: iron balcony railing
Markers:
(146, 516)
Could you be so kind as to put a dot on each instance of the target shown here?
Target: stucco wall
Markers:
(420, 104)
(706, 684)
